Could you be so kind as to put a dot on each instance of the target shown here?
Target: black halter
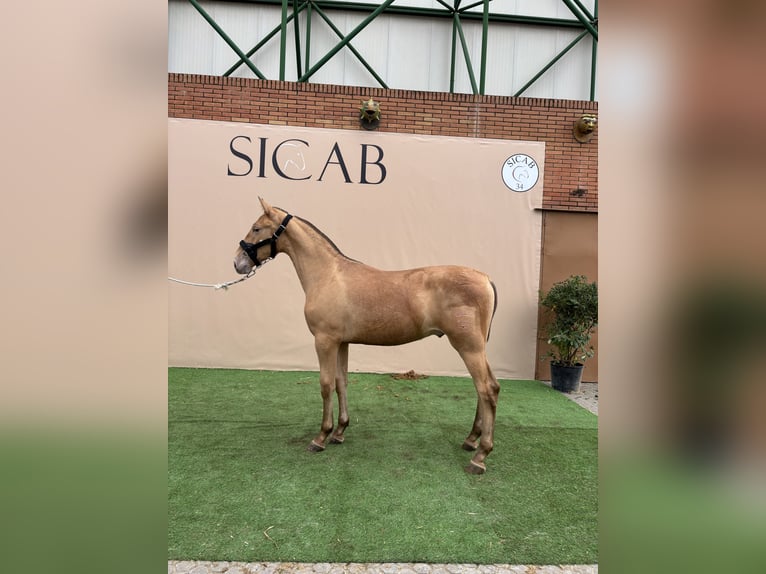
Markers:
(252, 248)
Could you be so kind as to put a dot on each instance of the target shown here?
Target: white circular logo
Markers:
(520, 172)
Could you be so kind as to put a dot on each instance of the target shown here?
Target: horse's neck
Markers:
(313, 257)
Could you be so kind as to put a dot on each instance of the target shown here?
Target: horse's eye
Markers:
(256, 229)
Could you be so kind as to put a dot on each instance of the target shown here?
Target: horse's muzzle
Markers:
(243, 268)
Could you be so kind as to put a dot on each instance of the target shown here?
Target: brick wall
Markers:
(569, 165)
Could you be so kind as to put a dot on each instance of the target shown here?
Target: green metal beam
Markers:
(588, 24)
(484, 36)
(435, 13)
(297, 29)
(480, 2)
(353, 50)
(585, 11)
(283, 42)
(362, 25)
(594, 49)
(549, 64)
(229, 41)
(584, 20)
(452, 58)
(262, 43)
(308, 36)
(466, 55)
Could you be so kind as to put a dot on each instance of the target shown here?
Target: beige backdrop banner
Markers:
(393, 201)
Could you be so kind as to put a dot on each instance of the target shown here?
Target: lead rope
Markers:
(247, 247)
(217, 286)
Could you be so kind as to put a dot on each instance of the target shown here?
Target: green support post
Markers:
(452, 58)
(466, 55)
(484, 34)
(594, 49)
(308, 34)
(297, 29)
(283, 42)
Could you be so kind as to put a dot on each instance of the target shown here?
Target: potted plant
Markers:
(573, 309)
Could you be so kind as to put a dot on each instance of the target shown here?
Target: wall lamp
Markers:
(584, 127)
(369, 115)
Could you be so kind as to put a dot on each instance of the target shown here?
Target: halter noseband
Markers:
(252, 248)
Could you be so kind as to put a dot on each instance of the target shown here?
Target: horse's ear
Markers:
(266, 207)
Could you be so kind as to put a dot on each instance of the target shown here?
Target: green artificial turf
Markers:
(243, 487)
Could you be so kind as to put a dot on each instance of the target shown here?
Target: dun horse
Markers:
(350, 302)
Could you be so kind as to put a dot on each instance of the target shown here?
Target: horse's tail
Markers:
(494, 307)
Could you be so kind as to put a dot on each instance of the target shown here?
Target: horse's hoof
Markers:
(337, 439)
(470, 446)
(476, 468)
(315, 447)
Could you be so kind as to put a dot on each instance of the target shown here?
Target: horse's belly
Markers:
(387, 329)
(385, 339)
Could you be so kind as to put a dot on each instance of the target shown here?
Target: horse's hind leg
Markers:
(487, 390)
(341, 383)
(472, 440)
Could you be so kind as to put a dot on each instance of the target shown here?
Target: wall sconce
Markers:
(584, 127)
(369, 115)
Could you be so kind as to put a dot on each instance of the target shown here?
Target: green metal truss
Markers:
(457, 12)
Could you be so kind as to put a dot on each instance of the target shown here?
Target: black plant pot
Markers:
(565, 378)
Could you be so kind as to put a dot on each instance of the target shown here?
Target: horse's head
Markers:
(260, 243)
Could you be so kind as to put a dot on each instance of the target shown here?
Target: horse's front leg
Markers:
(341, 383)
(327, 352)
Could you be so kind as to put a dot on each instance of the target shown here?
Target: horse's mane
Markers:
(321, 234)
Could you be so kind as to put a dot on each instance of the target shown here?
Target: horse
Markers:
(348, 302)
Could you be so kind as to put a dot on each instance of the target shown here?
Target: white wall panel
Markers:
(188, 37)
(472, 32)
(439, 66)
(572, 72)
(407, 52)
(534, 49)
(408, 67)
(372, 43)
(322, 41)
(501, 58)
